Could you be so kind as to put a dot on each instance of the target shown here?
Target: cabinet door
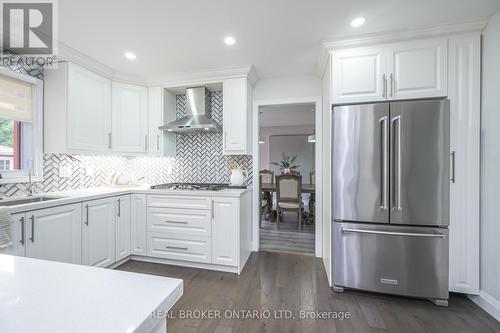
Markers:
(155, 120)
(465, 134)
(225, 239)
(99, 232)
(88, 110)
(55, 234)
(122, 227)
(18, 234)
(138, 228)
(417, 69)
(235, 118)
(129, 118)
(359, 75)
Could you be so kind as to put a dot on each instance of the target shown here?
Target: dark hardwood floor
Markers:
(287, 238)
(275, 281)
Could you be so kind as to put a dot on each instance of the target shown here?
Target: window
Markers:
(20, 127)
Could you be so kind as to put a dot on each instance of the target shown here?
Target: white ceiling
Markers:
(279, 37)
(300, 114)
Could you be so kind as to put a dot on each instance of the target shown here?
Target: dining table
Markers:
(268, 188)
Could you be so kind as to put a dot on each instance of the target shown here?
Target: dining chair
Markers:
(289, 196)
(312, 198)
(264, 202)
(267, 176)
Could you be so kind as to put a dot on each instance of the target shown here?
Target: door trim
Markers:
(318, 102)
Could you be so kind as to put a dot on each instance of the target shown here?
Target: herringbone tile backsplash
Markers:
(198, 158)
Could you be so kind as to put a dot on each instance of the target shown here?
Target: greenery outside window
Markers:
(21, 102)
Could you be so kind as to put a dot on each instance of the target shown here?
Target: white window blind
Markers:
(16, 99)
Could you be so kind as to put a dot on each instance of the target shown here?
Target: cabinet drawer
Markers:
(179, 221)
(179, 201)
(179, 247)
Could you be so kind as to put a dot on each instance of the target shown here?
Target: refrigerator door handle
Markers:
(384, 167)
(396, 123)
(392, 233)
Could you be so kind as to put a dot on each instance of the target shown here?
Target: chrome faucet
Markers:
(30, 182)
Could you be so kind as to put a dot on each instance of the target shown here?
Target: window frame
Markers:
(22, 176)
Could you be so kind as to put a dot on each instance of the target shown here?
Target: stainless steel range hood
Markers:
(198, 114)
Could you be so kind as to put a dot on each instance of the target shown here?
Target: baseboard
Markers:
(214, 267)
(488, 303)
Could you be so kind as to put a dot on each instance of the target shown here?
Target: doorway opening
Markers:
(287, 177)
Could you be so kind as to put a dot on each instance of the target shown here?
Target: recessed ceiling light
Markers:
(358, 21)
(130, 56)
(229, 40)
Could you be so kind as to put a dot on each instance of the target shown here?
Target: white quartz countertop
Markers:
(74, 196)
(44, 296)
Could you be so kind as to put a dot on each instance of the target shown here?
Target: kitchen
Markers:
(130, 158)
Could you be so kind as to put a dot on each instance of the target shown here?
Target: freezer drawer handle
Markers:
(391, 233)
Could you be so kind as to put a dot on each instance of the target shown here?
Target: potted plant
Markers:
(287, 163)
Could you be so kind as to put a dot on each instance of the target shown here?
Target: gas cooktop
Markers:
(190, 186)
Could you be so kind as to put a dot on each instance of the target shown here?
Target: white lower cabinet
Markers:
(54, 234)
(123, 226)
(18, 225)
(138, 229)
(179, 247)
(99, 232)
(225, 239)
(208, 230)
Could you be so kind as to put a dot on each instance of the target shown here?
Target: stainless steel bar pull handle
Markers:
(87, 215)
(453, 166)
(392, 85)
(109, 140)
(384, 86)
(23, 228)
(392, 233)
(177, 222)
(176, 248)
(32, 238)
(384, 138)
(158, 142)
(119, 213)
(397, 122)
(146, 142)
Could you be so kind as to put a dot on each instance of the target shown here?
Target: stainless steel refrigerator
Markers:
(390, 197)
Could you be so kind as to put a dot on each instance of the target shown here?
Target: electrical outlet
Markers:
(65, 171)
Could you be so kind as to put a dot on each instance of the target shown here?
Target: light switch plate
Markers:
(65, 171)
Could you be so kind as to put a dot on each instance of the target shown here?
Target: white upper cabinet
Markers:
(77, 110)
(407, 70)
(417, 69)
(130, 118)
(359, 75)
(55, 234)
(236, 116)
(161, 110)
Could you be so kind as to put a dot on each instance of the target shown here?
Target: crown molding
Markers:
(205, 76)
(178, 79)
(448, 29)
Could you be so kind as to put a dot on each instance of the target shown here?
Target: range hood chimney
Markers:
(198, 114)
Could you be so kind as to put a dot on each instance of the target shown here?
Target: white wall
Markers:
(490, 161)
(266, 132)
(287, 87)
(292, 145)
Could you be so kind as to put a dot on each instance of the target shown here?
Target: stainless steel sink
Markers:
(15, 202)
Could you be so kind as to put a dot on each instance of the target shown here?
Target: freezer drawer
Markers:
(409, 261)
